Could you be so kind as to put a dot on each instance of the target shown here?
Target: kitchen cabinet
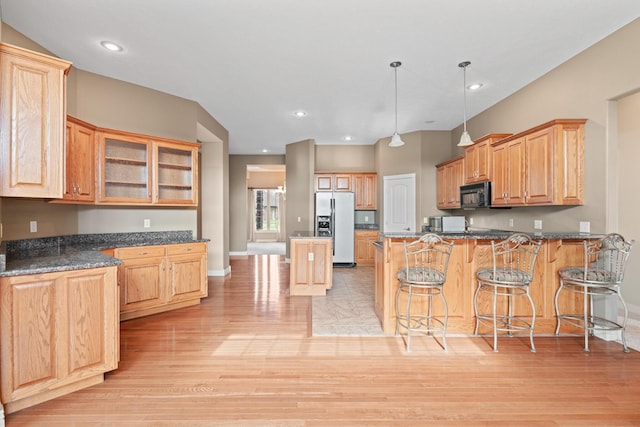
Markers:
(333, 182)
(59, 333)
(141, 170)
(80, 182)
(477, 158)
(311, 268)
(32, 117)
(364, 249)
(449, 178)
(160, 278)
(508, 164)
(365, 188)
(541, 166)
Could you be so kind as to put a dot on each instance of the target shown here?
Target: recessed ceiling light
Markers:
(113, 47)
(429, 121)
(299, 113)
(264, 150)
(348, 138)
(474, 86)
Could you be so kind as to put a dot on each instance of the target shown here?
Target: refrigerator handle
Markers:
(333, 225)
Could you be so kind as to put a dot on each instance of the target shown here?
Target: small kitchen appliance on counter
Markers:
(454, 224)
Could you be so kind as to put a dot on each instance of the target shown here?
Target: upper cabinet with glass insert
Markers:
(141, 170)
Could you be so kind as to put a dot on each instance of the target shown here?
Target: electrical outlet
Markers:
(537, 224)
(298, 219)
(33, 226)
(470, 220)
(425, 220)
(585, 227)
(510, 222)
(310, 256)
(366, 219)
(147, 223)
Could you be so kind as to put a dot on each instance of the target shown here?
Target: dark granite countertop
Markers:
(76, 252)
(480, 234)
(367, 227)
(306, 234)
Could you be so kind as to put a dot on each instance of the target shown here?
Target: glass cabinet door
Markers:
(175, 176)
(125, 169)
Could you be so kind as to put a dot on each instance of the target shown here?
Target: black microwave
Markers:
(475, 195)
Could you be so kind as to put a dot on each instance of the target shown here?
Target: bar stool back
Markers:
(514, 260)
(601, 274)
(424, 275)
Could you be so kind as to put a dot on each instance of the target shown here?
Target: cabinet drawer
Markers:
(187, 248)
(140, 252)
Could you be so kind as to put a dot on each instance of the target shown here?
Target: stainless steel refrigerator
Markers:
(338, 208)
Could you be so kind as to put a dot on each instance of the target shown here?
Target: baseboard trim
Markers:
(219, 273)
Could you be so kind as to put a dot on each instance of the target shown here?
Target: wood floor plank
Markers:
(244, 357)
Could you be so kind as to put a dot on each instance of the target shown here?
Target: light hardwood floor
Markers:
(244, 357)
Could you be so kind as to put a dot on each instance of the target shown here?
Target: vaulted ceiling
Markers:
(253, 63)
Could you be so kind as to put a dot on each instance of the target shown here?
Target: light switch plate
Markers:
(147, 223)
(585, 227)
(537, 224)
(33, 226)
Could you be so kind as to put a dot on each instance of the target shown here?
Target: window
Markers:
(267, 203)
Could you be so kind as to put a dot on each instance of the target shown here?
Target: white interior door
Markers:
(399, 193)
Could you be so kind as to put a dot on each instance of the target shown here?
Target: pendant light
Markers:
(465, 139)
(396, 141)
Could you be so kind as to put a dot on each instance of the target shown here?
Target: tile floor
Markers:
(347, 309)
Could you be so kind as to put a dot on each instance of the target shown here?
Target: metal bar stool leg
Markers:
(495, 321)
(446, 319)
(585, 303)
(533, 321)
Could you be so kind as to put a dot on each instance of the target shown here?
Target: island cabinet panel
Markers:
(311, 269)
(456, 289)
(469, 255)
(32, 117)
(159, 278)
(60, 333)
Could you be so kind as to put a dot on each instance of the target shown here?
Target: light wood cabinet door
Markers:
(142, 283)
(32, 123)
(365, 188)
(187, 271)
(81, 161)
(441, 188)
(324, 182)
(570, 160)
(539, 167)
(175, 173)
(364, 249)
(478, 159)
(125, 169)
(500, 175)
(342, 182)
(57, 329)
(516, 172)
(449, 178)
(311, 268)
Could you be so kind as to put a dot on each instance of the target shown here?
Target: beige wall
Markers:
(300, 162)
(628, 207)
(238, 197)
(341, 158)
(579, 88)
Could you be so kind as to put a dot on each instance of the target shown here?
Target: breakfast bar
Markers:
(471, 251)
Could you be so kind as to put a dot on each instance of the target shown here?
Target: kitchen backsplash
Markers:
(365, 217)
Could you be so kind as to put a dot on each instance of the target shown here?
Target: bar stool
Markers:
(426, 262)
(514, 260)
(601, 274)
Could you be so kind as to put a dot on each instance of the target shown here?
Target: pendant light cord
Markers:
(396, 79)
(464, 92)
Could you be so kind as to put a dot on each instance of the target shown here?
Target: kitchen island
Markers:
(471, 251)
(311, 269)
